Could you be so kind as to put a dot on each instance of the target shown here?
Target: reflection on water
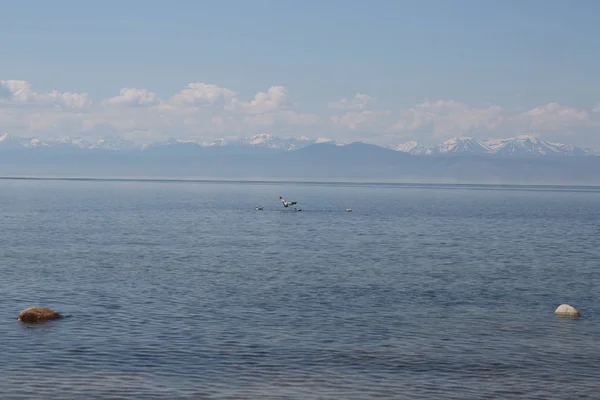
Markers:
(184, 291)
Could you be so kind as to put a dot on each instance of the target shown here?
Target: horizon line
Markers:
(424, 185)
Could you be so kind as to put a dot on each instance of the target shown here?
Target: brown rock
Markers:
(37, 314)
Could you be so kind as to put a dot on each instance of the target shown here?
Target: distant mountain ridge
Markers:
(411, 148)
(117, 143)
(316, 161)
(522, 145)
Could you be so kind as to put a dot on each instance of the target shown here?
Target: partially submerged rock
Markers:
(37, 314)
(565, 310)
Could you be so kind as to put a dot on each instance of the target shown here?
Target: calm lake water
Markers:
(185, 291)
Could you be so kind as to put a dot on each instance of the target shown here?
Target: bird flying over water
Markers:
(286, 203)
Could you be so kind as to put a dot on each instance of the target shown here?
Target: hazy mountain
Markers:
(272, 142)
(264, 157)
(411, 148)
(523, 145)
(531, 145)
(461, 145)
(8, 142)
(117, 143)
(64, 142)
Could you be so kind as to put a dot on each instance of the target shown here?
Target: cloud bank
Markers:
(206, 111)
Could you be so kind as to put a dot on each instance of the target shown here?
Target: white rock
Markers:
(565, 310)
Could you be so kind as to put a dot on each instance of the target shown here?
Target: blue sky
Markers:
(431, 69)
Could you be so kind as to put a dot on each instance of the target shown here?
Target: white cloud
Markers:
(287, 117)
(205, 111)
(133, 97)
(359, 102)
(430, 122)
(67, 100)
(20, 93)
(554, 116)
(200, 92)
(200, 110)
(360, 119)
(447, 118)
(274, 99)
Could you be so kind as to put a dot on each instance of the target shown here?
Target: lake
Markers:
(183, 290)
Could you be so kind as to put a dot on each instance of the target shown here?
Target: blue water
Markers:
(185, 291)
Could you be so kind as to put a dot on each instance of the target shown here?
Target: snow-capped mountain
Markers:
(117, 143)
(461, 145)
(532, 145)
(522, 145)
(171, 143)
(218, 143)
(329, 141)
(67, 142)
(8, 141)
(272, 142)
(34, 143)
(412, 148)
(258, 141)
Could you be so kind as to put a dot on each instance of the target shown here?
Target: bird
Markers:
(286, 203)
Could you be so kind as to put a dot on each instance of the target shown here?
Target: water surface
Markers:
(184, 291)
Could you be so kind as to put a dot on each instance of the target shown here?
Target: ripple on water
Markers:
(176, 291)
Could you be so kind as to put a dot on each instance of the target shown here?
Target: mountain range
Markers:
(518, 160)
(522, 145)
(263, 141)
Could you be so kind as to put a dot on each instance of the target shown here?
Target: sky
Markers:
(383, 72)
